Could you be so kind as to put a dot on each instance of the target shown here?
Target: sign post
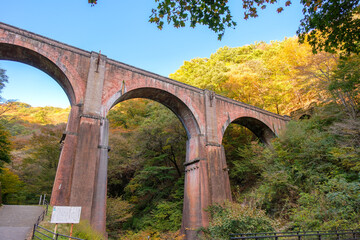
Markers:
(65, 214)
(72, 225)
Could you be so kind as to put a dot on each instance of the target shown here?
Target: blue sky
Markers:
(120, 29)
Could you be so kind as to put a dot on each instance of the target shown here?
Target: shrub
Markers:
(85, 231)
(236, 218)
(331, 206)
(151, 234)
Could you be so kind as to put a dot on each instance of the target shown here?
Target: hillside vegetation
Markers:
(308, 179)
(34, 133)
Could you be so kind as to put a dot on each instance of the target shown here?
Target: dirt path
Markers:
(17, 221)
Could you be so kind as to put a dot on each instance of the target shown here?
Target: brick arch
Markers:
(258, 127)
(27, 56)
(178, 107)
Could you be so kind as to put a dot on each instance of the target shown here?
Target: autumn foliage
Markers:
(308, 179)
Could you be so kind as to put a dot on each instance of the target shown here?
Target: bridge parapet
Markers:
(39, 38)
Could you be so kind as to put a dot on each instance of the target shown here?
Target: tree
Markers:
(5, 146)
(331, 25)
(11, 187)
(38, 168)
(280, 76)
(328, 25)
(345, 84)
(4, 104)
(3, 80)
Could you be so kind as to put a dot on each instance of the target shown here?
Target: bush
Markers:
(167, 216)
(333, 205)
(151, 234)
(236, 218)
(117, 212)
(85, 231)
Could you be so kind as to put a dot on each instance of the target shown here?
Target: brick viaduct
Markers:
(94, 84)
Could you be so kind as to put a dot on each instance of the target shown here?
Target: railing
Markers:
(321, 235)
(45, 234)
(42, 200)
(43, 214)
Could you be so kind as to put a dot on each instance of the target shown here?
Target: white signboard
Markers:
(62, 214)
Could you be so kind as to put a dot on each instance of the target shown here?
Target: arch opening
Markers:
(244, 140)
(145, 169)
(27, 56)
(167, 99)
(32, 86)
(35, 131)
(187, 121)
(260, 129)
(305, 116)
